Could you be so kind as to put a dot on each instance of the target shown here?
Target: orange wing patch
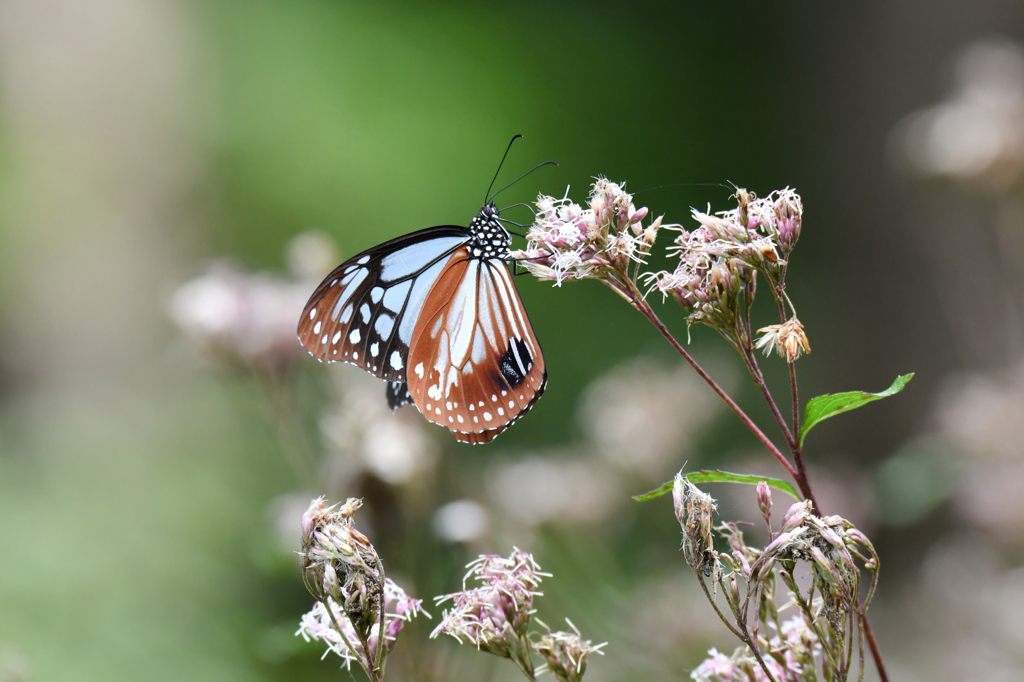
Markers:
(475, 365)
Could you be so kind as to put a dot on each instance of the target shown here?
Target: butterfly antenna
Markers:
(528, 206)
(514, 138)
(539, 165)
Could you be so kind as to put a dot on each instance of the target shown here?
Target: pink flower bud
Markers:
(764, 501)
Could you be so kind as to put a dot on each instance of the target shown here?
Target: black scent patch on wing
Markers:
(515, 362)
(398, 394)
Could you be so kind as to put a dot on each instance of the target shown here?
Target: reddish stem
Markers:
(641, 305)
(875, 651)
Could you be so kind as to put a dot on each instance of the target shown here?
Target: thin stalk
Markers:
(800, 473)
(796, 401)
(636, 299)
(715, 607)
(860, 648)
(875, 652)
(366, 652)
(755, 371)
(528, 671)
(381, 644)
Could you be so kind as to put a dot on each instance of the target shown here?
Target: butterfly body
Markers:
(435, 314)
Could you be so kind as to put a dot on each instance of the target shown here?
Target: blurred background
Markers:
(175, 177)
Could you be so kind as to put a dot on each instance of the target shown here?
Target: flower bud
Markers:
(764, 502)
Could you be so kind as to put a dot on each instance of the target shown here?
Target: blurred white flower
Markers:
(984, 418)
(977, 134)
(363, 434)
(311, 255)
(642, 415)
(550, 488)
(285, 515)
(251, 316)
(461, 521)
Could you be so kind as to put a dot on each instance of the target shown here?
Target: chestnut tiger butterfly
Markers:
(436, 315)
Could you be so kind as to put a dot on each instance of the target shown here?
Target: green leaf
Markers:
(657, 492)
(829, 405)
(717, 476)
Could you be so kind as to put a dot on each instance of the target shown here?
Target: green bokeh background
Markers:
(135, 541)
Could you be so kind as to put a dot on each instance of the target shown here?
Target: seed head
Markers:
(788, 339)
(694, 510)
(338, 562)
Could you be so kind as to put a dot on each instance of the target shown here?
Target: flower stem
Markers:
(366, 662)
(755, 371)
(796, 401)
(715, 607)
(875, 651)
(636, 299)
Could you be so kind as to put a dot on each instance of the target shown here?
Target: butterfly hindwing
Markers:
(365, 311)
(475, 365)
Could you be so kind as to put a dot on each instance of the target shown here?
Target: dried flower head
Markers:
(338, 562)
(788, 339)
(319, 625)
(829, 544)
(565, 653)
(694, 509)
(569, 242)
(495, 616)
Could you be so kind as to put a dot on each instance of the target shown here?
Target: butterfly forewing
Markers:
(475, 365)
(365, 312)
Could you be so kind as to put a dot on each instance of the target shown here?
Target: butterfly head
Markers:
(490, 238)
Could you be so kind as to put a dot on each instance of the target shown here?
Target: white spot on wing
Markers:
(346, 314)
(312, 313)
(364, 312)
(316, 327)
(396, 359)
(395, 296)
(354, 336)
(374, 348)
(383, 325)
(376, 293)
(337, 335)
(419, 370)
(487, 416)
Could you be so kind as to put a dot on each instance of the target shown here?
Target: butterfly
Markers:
(436, 315)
